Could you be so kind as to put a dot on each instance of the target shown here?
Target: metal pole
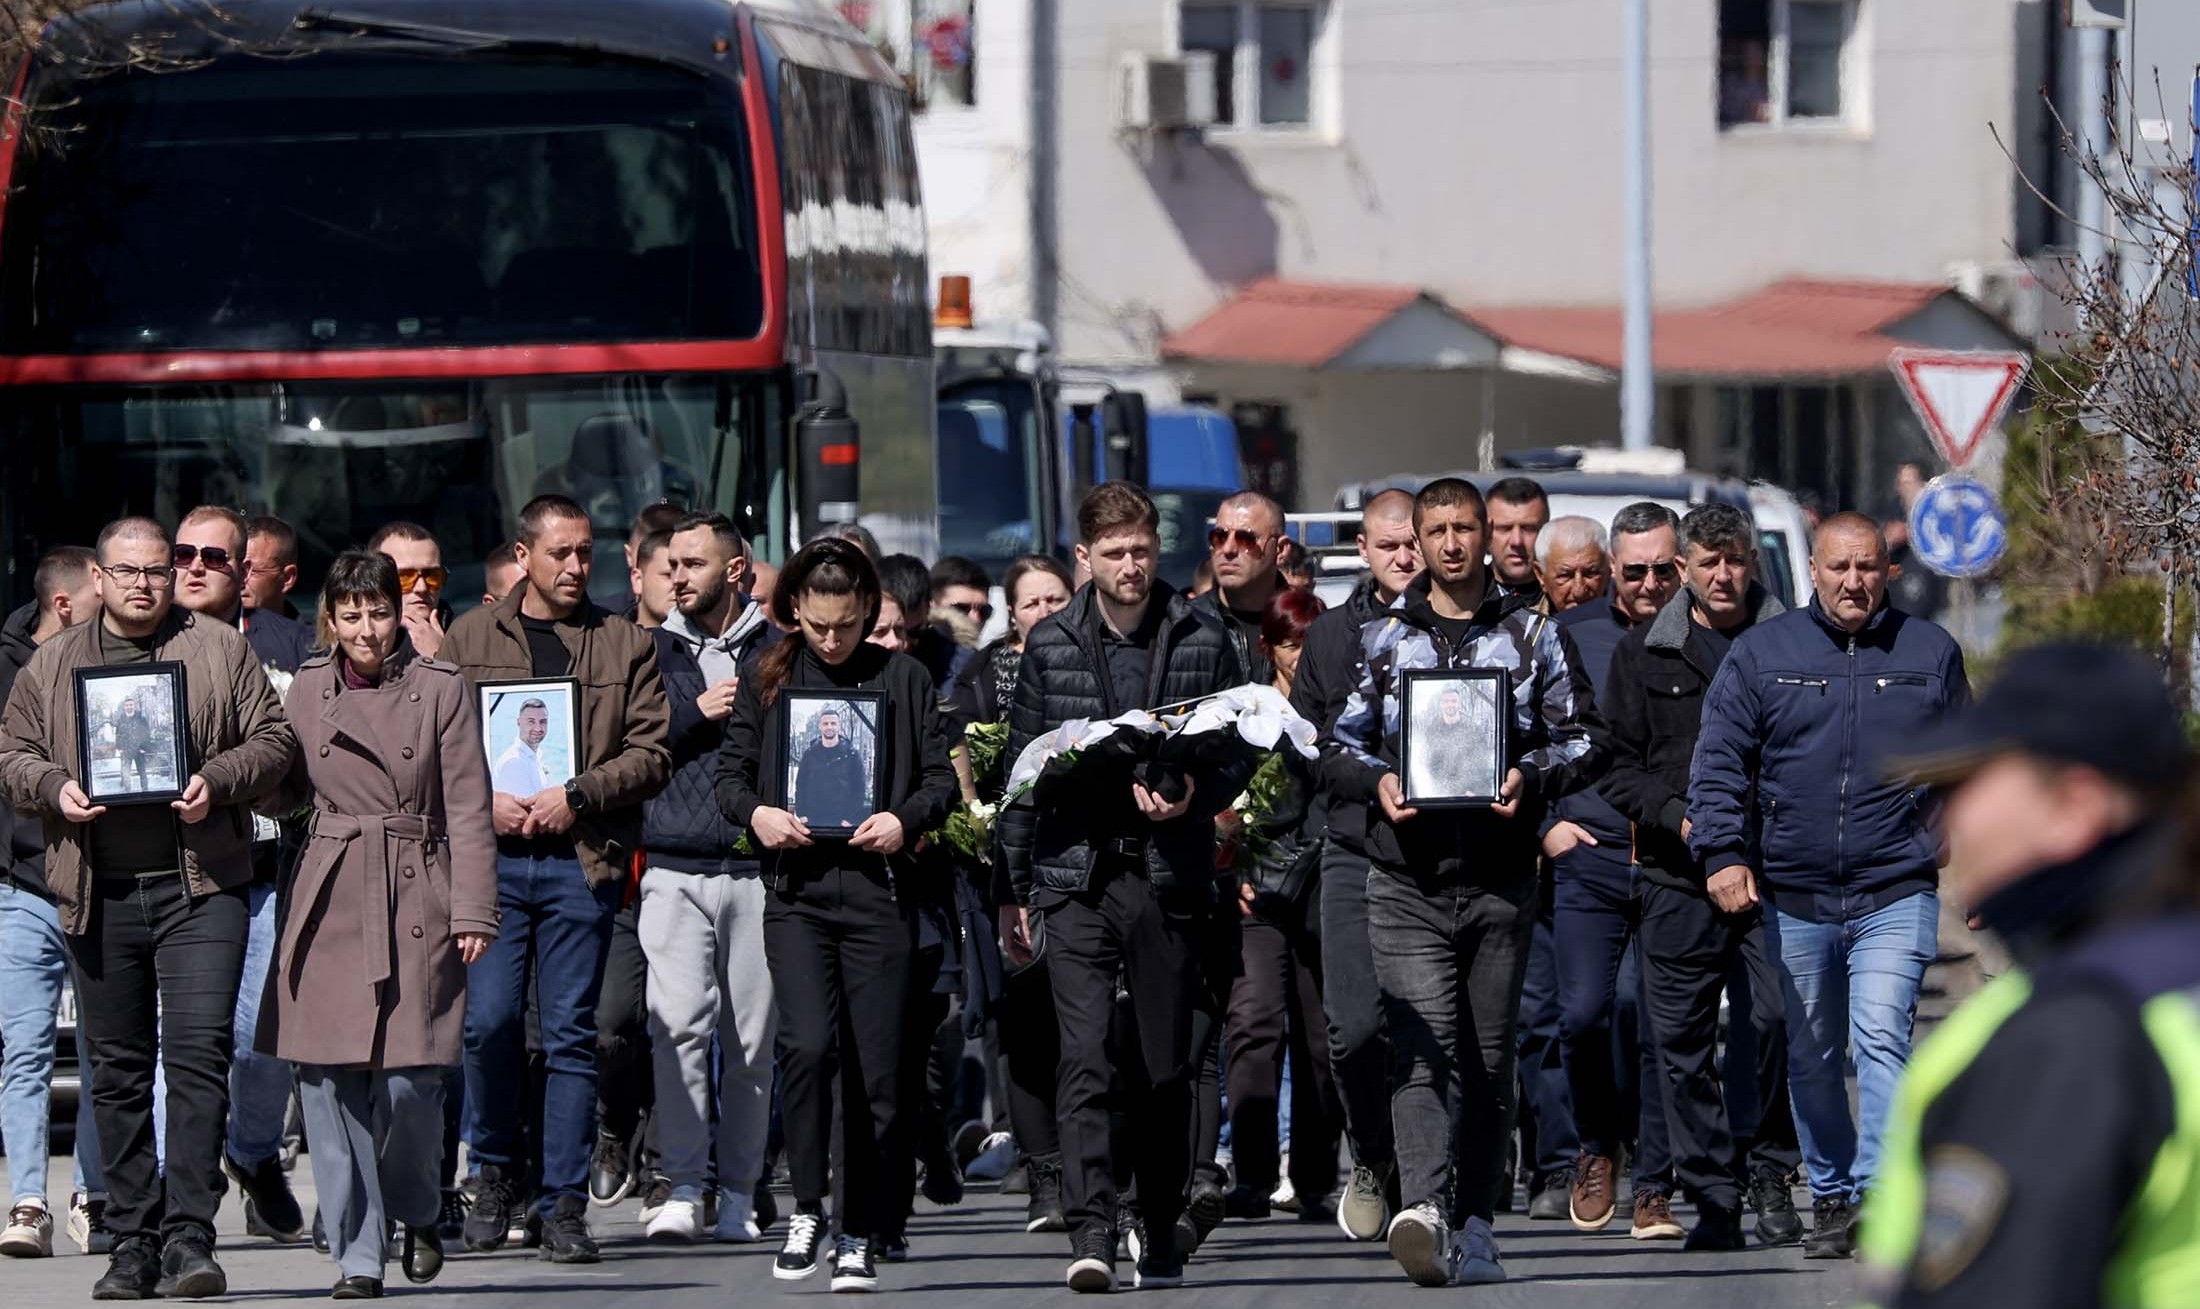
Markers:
(1638, 378)
(1046, 134)
(2091, 113)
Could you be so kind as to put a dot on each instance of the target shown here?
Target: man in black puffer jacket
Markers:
(1122, 875)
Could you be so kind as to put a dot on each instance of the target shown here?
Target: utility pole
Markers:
(1638, 377)
(1046, 130)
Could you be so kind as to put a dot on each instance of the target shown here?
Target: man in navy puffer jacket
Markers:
(1786, 791)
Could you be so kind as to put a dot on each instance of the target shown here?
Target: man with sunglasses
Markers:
(421, 575)
(153, 899)
(1596, 915)
(1242, 547)
(210, 575)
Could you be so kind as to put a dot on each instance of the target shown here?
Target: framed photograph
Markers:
(532, 731)
(132, 733)
(835, 756)
(1452, 744)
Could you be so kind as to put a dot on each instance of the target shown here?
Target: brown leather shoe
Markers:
(1595, 1199)
(1654, 1218)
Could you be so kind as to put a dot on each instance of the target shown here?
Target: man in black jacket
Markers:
(1359, 1057)
(701, 917)
(1241, 548)
(1122, 876)
(1653, 709)
(36, 960)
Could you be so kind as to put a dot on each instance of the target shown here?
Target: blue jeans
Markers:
(259, 1085)
(33, 964)
(1850, 984)
(1546, 1098)
(551, 916)
(1611, 1065)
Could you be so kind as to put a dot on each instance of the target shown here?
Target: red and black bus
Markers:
(426, 259)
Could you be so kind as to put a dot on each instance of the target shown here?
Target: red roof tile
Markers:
(1289, 324)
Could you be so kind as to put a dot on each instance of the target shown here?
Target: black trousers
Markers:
(1031, 1047)
(1689, 951)
(156, 977)
(1276, 1009)
(839, 946)
(625, 1086)
(1122, 927)
(1219, 968)
(924, 1087)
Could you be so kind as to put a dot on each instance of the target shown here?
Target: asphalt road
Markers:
(977, 1256)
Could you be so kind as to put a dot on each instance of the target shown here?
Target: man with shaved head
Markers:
(1242, 548)
(1360, 1059)
(1789, 807)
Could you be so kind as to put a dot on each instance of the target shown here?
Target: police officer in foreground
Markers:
(2042, 1147)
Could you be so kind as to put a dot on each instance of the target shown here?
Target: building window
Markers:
(931, 43)
(1786, 62)
(1264, 58)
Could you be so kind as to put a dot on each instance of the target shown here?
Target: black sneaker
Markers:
(1832, 1231)
(489, 1223)
(450, 1224)
(1777, 1221)
(610, 1170)
(798, 1257)
(853, 1269)
(655, 1196)
(1717, 1228)
(891, 1249)
(943, 1181)
(422, 1256)
(1246, 1202)
(1159, 1264)
(1046, 1213)
(565, 1237)
(1092, 1261)
(188, 1271)
(270, 1210)
(133, 1270)
(763, 1209)
(1206, 1206)
(1553, 1197)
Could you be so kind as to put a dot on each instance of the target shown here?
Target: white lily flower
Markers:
(1072, 736)
(1259, 714)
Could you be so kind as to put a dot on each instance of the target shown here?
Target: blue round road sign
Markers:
(1956, 528)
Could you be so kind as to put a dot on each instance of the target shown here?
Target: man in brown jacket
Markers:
(152, 898)
(563, 859)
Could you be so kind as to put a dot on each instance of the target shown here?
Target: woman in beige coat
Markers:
(395, 895)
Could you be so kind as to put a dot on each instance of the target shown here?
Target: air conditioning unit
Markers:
(2007, 289)
(1169, 94)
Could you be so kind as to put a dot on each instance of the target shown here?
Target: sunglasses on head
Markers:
(1666, 570)
(1243, 538)
(433, 578)
(213, 556)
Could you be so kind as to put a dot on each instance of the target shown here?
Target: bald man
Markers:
(1359, 1057)
(1242, 549)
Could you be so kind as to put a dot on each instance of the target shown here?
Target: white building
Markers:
(1398, 247)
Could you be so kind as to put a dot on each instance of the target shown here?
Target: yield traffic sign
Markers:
(1959, 395)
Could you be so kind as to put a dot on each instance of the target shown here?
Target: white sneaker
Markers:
(29, 1231)
(88, 1222)
(1364, 1212)
(736, 1218)
(993, 1159)
(1478, 1265)
(1422, 1244)
(680, 1220)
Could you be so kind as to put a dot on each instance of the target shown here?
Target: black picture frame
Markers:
(1461, 765)
(133, 733)
(837, 801)
(553, 760)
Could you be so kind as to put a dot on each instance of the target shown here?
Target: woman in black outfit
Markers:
(837, 935)
(1035, 587)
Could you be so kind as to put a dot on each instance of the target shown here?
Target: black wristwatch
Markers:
(575, 798)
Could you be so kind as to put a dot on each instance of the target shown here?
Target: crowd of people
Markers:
(680, 969)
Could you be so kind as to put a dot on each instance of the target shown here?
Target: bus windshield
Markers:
(338, 459)
(361, 200)
(991, 471)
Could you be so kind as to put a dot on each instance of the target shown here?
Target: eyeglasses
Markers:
(213, 556)
(432, 578)
(129, 575)
(1243, 538)
(1666, 570)
(977, 611)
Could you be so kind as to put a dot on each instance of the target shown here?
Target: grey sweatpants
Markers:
(375, 1136)
(704, 939)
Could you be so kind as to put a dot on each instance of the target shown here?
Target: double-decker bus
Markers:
(426, 259)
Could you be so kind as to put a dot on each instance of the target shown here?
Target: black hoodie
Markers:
(25, 839)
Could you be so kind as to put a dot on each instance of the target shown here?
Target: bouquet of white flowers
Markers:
(1058, 753)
